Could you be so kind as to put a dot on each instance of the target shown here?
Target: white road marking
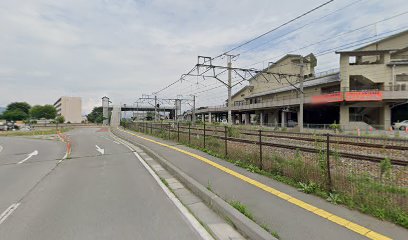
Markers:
(1, 148)
(28, 157)
(110, 139)
(190, 218)
(8, 212)
(101, 150)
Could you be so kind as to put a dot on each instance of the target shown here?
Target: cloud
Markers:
(125, 48)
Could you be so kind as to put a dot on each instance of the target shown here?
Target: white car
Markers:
(224, 121)
(401, 125)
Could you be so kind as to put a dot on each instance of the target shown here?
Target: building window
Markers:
(401, 77)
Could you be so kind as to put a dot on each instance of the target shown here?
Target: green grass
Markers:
(242, 209)
(32, 133)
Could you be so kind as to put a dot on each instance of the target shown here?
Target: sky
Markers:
(125, 48)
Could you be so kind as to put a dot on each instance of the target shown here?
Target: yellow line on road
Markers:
(320, 212)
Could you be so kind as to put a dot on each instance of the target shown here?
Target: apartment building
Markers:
(369, 90)
(70, 108)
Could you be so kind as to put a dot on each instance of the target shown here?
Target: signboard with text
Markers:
(327, 98)
(362, 96)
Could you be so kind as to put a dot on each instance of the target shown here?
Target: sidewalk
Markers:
(292, 214)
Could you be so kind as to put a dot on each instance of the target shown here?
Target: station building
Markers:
(369, 90)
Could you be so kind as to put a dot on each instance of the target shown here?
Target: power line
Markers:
(335, 36)
(303, 26)
(278, 27)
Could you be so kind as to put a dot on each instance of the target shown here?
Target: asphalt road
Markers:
(90, 196)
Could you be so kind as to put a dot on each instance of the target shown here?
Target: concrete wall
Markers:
(241, 96)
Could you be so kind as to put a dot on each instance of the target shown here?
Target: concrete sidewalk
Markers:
(281, 214)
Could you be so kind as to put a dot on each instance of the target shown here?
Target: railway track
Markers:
(344, 154)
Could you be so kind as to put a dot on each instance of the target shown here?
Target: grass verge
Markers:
(32, 133)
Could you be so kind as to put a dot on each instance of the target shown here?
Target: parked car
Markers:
(401, 125)
(224, 121)
(3, 126)
(25, 129)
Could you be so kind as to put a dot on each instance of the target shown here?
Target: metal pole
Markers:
(189, 133)
(155, 108)
(229, 64)
(169, 130)
(204, 135)
(260, 150)
(329, 183)
(178, 132)
(193, 118)
(225, 141)
(302, 95)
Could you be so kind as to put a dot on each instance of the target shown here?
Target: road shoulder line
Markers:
(184, 211)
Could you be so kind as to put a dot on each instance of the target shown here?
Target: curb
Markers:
(244, 225)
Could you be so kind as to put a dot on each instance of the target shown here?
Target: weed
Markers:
(252, 168)
(164, 182)
(308, 187)
(385, 168)
(242, 209)
(209, 186)
(334, 198)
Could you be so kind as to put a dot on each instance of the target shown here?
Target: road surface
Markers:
(101, 192)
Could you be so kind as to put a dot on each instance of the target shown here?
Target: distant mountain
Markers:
(2, 109)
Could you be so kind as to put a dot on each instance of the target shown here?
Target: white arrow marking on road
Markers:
(101, 150)
(29, 156)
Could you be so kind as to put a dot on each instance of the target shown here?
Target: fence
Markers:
(370, 174)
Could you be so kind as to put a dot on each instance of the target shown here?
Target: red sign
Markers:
(363, 96)
(327, 98)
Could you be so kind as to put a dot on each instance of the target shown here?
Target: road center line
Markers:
(8, 212)
(308, 207)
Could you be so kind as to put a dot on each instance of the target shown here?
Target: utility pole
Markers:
(302, 95)
(229, 87)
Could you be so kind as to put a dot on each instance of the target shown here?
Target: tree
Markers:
(16, 111)
(14, 115)
(22, 106)
(60, 119)
(47, 111)
(96, 116)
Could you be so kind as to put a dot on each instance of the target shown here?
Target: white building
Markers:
(70, 108)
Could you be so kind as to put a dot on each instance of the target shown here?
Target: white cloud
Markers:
(124, 48)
